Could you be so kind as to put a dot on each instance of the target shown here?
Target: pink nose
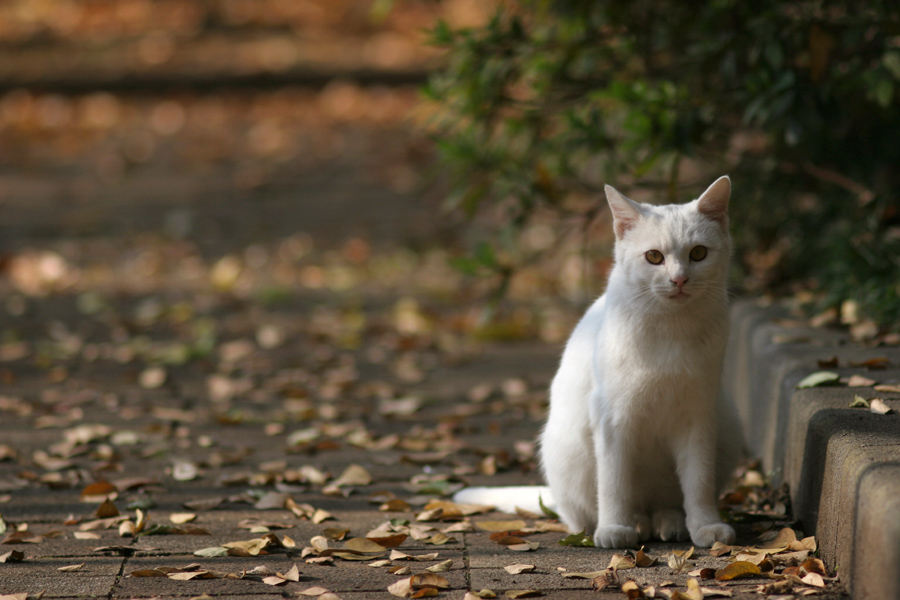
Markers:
(679, 281)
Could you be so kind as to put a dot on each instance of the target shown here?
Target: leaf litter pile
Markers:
(290, 419)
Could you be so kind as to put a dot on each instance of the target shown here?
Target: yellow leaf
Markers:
(496, 526)
(738, 570)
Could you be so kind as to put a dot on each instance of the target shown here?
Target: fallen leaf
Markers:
(783, 539)
(98, 489)
(737, 570)
(720, 549)
(391, 541)
(293, 574)
(86, 535)
(148, 573)
(815, 565)
(499, 526)
(604, 579)
(643, 560)
(632, 590)
(621, 561)
(354, 475)
(525, 547)
(395, 505)
(107, 509)
(587, 575)
(813, 579)
(877, 363)
(22, 537)
(441, 567)
(429, 580)
(182, 518)
(819, 378)
(402, 588)
(364, 545)
(70, 568)
(212, 552)
(397, 555)
(152, 378)
(890, 389)
(877, 406)
(313, 591)
(518, 568)
(860, 381)
(859, 402)
(12, 556)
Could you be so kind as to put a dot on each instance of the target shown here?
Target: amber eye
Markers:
(698, 253)
(654, 257)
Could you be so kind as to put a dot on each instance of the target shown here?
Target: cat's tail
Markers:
(507, 499)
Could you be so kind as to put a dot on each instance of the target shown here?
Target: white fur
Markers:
(630, 449)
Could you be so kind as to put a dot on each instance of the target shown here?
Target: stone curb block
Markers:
(842, 465)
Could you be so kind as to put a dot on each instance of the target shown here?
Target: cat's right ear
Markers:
(625, 212)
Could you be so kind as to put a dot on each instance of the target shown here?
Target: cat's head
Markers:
(673, 254)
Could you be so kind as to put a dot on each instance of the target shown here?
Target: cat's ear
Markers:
(713, 203)
(625, 212)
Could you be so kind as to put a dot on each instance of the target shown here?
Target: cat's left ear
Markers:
(713, 203)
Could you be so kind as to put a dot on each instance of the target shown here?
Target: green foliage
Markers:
(797, 100)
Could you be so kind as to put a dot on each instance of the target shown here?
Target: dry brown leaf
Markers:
(737, 570)
(354, 475)
(587, 575)
(619, 562)
(518, 568)
(632, 590)
(12, 556)
(815, 565)
(813, 579)
(86, 535)
(783, 539)
(429, 580)
(391, 541)
(499, 526)
(525, 547)
(395, 505)
(397, 555)
(441, 567)
(148, 573)
(98, 489)
(642, 559)
(364, 545)
(313, 591)
(107, 509)
(720, 549)
(22, 537)
(70, 568)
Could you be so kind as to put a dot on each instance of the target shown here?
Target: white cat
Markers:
(630, 448)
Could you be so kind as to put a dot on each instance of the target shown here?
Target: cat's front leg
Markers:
(615, 493)
(695, 458)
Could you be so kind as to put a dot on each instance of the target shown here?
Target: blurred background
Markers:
(458, 147)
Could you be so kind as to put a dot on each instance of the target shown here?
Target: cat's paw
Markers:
(708, 535)
(616, 536)
(668, 525)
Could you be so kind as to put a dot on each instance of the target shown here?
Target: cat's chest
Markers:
(660, 352)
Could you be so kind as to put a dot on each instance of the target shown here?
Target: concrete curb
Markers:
(842, 465)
